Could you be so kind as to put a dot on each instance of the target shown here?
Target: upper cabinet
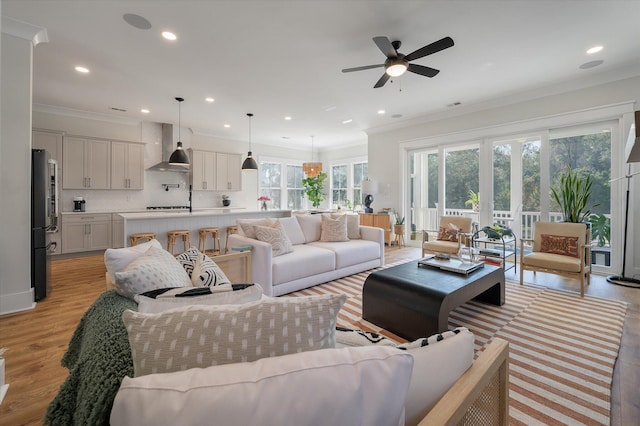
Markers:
(86, 163)
(203, 176)
(127, 165)
(49, 141)
(228, 172)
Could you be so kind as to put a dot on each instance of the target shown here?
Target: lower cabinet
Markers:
(117, 231)
(378, 220)
(86, 232)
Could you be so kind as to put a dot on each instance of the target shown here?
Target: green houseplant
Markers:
(600, 228)
(314, 188)
(474, 200)
(572, 192)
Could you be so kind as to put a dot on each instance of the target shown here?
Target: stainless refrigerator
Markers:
(44, 218)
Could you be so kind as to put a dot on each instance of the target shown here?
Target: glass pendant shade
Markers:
(179, 156)
(249, 163)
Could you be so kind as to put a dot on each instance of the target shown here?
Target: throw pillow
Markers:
(117, 259)
(353, 225)
(188, 260)
(157, 268)
(206, 273)
(292, 229)
(334, 229)
(247, 225)
(201, 336)
(239, 294)
(274, 235)
(559, 244)
(447, 234)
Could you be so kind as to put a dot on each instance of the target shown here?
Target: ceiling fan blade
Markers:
(366, 67)
(422, 70)
(385, 77)
(385, 46)
(429, 49)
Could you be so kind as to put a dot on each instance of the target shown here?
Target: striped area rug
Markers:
(562, 348)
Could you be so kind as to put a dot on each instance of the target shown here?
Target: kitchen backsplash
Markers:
(152, 195)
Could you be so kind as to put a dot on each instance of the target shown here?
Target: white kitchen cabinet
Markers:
(86, 232)
(127, 165)
(203, 175)
(117, 231)
(86, 163)
(228, 172)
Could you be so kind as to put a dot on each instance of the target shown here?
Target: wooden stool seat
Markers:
(230, 230)
(136, 238)
(173, 235)
(202, 240)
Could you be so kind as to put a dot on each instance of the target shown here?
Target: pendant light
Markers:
(179, 156)
(249, 163)
(312, 169)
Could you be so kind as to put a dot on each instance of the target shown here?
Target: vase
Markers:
(264, 205)
(226, 203)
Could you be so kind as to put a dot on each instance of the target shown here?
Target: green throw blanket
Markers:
(98, 358)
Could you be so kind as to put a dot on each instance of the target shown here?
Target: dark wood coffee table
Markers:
(413, 302)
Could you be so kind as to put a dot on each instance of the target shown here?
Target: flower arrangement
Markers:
(264, 198)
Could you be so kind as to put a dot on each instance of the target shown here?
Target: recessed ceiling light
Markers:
(330, 108)
(288, 118)
(169, 35)
(226, 126)
(83, 70)
(381, 111)
(210, 100)
(144, 111)
(594, 49)
(347, 121)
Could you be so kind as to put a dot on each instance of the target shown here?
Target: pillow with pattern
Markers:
(248, 225)
(188, 260)
(157, 268)
(334, 229)
(202, 336)
(274, 235)
(206, 273)
(353, 224)
(559, 244)
(447, 234)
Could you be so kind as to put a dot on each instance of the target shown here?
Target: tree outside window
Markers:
(271, 183)
(339, 185)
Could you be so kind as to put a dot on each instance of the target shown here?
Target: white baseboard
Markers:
(3, 391)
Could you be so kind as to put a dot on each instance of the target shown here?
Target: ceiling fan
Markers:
(397, 63)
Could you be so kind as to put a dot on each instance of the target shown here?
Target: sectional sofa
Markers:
(314, 257)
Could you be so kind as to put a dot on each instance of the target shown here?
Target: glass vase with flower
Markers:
(263, 199)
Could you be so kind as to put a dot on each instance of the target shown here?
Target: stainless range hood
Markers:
(167, 149)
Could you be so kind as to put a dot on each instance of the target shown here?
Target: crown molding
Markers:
(24, 30)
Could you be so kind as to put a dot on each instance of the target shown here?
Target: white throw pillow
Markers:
(292, 229)
(310, 224)
(276, 236)
(353, 226)
(206, 273)
(246, 225)
(116, 260)
(157, 268)
(334, 229)
(354, 386)
(201, 336)
(148, 305)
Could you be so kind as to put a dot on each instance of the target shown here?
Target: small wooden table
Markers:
(414, 302)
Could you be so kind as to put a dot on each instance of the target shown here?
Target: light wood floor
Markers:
(37, 339)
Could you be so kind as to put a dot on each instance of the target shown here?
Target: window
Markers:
(271, 183)
(360, 171)
(295, 197)
(339, 185)
(282, 183)
(345, 180)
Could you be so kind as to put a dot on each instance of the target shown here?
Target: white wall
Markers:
(385, 154)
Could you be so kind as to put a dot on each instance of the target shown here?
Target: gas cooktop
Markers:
(168, 208)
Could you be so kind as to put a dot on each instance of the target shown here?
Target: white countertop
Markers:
(147, 214)
(155, 211)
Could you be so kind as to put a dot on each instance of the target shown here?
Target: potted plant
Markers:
(474, 200)
(600, 229)
(572, 192)
(497, 231)
(399, 226)
(264, 200)
(226, 201)
(313, 187)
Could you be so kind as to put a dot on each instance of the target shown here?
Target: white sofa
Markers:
(312, 261)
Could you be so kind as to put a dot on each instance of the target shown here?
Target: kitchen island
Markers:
(159, 222)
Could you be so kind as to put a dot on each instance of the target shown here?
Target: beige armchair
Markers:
(448, 238)
(559, 248)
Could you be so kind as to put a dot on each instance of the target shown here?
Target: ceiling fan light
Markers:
(396, 70)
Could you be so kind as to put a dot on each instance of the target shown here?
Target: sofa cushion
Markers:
(352, 386)
(116, 260)
(552, 261)
(310, 224)
(201, 336)
(353, 226)
(306, 260)
(245, 226)
(351, 252)
(157, 268)
(276, 236)
(333, 228)
(292, 229)
(207, 273)
(188, 260)
(234, 295)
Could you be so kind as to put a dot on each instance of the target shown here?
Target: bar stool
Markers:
(230, 230)
(136, 238)
(171, 239)
(202, 239)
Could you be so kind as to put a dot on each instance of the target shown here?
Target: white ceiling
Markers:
(279, 58)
